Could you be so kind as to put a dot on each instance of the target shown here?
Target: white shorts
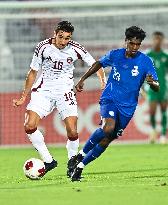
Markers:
(44, 102)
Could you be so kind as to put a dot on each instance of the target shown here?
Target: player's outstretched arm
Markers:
(143, 93)
(154, 85)
(102, 78)
(28, 85)
(95, 67)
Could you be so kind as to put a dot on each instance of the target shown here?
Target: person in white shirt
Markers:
(50, 79)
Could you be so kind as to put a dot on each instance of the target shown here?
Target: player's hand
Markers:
(79, 86)
(149, 79)
(18, 102)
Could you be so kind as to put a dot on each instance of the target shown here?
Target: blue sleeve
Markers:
(151, 69)
(106, 60)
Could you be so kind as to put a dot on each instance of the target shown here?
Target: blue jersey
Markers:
(126, 78)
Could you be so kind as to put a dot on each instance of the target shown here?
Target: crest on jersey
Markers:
(111, 113)
(69, 60)
(135, 71)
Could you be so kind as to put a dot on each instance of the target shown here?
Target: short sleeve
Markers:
(87, 58)
(106, 60)
(82, 53)
(151, 69)
(37, 59)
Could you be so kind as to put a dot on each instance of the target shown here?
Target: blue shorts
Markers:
(109, 110)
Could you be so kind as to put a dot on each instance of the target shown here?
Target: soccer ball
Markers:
(34, 168)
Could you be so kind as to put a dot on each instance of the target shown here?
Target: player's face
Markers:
(157, 41)
(132, 46)
(62, 38)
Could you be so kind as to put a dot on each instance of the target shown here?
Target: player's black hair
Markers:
(158, 33)
(135, 32)
(64, 26)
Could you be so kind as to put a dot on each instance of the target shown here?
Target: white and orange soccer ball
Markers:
(34, 168)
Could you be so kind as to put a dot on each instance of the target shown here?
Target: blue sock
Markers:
(93, 154)
(94, 139)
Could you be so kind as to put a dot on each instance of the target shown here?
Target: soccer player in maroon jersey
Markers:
(50, 79)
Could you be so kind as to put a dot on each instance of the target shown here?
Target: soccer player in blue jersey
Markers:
(129, 69)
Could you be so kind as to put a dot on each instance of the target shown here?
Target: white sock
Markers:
(72, 148)
(37, 140)
(82, 153)
(81, 165)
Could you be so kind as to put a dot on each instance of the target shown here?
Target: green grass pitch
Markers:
(124, 174)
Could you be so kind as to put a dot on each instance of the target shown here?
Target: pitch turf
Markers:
(125, 174)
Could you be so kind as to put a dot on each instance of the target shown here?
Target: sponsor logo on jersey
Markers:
(111, 113)
(69, 60)
(135, 71)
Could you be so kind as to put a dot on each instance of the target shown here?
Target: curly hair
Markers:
(65, 26)
(135, 32)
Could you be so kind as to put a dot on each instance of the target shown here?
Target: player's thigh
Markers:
(66, 105)
(108, 124)
(108, 109)
(41, 103)
(108, 112)
(121, 124)
(163, 106)
(152, 107)
(163, 99)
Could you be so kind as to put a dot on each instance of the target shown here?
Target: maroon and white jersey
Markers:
(57, 65)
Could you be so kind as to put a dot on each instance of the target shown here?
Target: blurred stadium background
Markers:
(99, 26)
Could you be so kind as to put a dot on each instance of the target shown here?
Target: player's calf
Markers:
(37, 140)
(72, 148)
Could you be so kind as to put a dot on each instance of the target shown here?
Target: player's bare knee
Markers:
(72, 135)
(108, 128)
(30, 128)
(105, 142)
(152, 113)
(163, 109)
